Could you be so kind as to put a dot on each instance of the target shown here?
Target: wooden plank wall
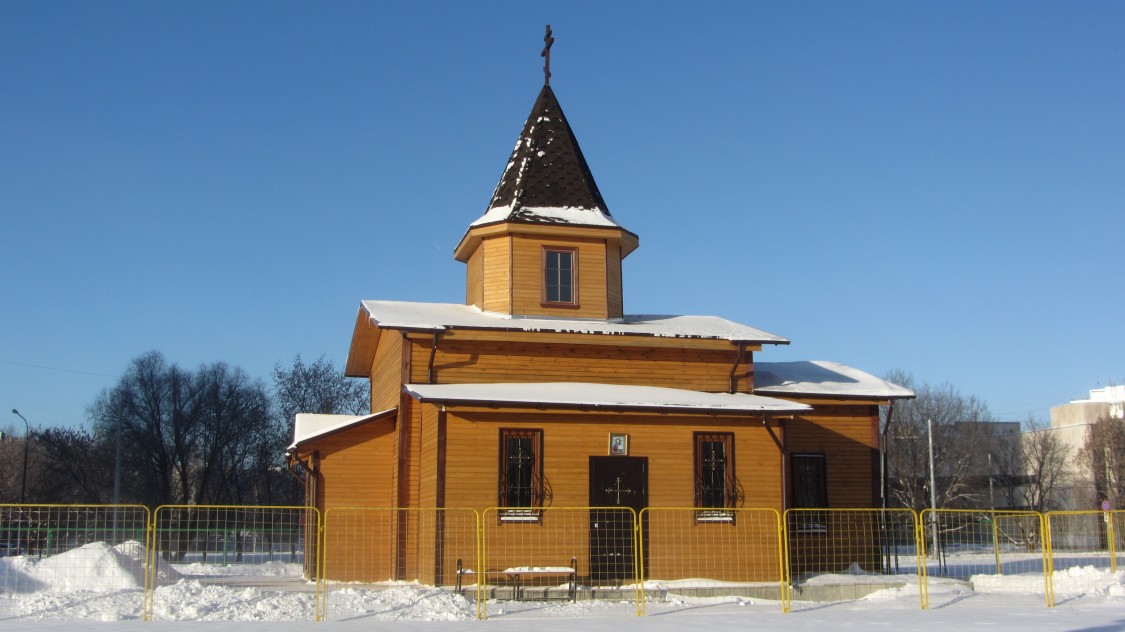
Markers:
(386, 384)
(615, 294)
(474, 279)
(466, 362)
(847, 435)
(527, 280)
(497, 275)
(355, 464)
(472, 462)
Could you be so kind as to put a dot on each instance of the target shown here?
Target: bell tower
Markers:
(547, 245)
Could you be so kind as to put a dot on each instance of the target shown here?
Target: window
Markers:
(809, 484)
(714, 476)
(808, 490)
(558, 276)
(521, 473)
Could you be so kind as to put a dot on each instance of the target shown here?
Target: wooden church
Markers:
(540, 391)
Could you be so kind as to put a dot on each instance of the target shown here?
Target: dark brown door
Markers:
(615, 481)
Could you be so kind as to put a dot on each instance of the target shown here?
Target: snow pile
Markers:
(96, 582)
(94, 566)
(265, 569)
(1071, 582)
(855, 574)
(190, 600)
(409, 603)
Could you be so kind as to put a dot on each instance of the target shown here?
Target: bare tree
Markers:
(1104, 454)
(1046, 458)
(1031, 471)
(959, 446)
(317, 388)
(190, 437)
(234, 420)
(153, 406)
(74, 466)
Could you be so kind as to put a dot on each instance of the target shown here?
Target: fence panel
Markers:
(204, 555)
(983, 552)
(694, 557)
(82, 556)
(846, 554)
(383, 563)
(1085, 549)
(559, 553)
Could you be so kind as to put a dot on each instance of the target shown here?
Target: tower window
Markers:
(558, 276)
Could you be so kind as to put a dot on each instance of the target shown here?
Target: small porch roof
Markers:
(308, 426)
(823, 379)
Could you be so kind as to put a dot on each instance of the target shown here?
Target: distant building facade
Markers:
(1070, 423)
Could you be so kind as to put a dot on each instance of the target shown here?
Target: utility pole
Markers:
(26, 442)
(933, 487)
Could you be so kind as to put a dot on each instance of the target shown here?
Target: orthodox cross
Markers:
(546, 54)
(522, 458)
(616, 489)
(714, 459)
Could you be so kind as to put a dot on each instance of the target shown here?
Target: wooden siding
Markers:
(474, 279)
(570, 338)
(465, 362)
(847, 436)
(496, 264)
(615, 302)
(569, 439)
(386, 382)
(354, 470)
(527, 277)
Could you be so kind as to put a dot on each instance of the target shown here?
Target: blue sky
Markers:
(934, 187)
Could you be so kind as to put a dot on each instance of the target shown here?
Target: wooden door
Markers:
(615, 481)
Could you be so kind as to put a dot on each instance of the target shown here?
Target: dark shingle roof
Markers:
(547, 169)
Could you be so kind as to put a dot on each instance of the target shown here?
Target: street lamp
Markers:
(26, 441)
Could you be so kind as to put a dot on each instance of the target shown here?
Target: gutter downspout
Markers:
(433, 353)
(884, 482)
(884, 479)
(737, 361)
(782, 452)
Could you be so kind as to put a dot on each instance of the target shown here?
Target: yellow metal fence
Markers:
(992, 552)
(340, 561)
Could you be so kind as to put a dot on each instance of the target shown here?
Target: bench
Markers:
(517, 577)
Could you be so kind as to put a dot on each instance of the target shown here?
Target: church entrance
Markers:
(615, 481)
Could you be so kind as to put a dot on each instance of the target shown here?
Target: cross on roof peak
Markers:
(546, 55)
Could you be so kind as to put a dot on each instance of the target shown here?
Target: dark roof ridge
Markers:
(546, 168)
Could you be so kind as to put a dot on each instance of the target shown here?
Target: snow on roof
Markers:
(547, 215)
(822, 378)
(436, 316)
(583, 395)
(310, 425)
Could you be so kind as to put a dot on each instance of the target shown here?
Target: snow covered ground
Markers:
(102, 587)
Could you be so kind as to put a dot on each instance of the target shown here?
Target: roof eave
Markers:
(473, 237)
(365, 339)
